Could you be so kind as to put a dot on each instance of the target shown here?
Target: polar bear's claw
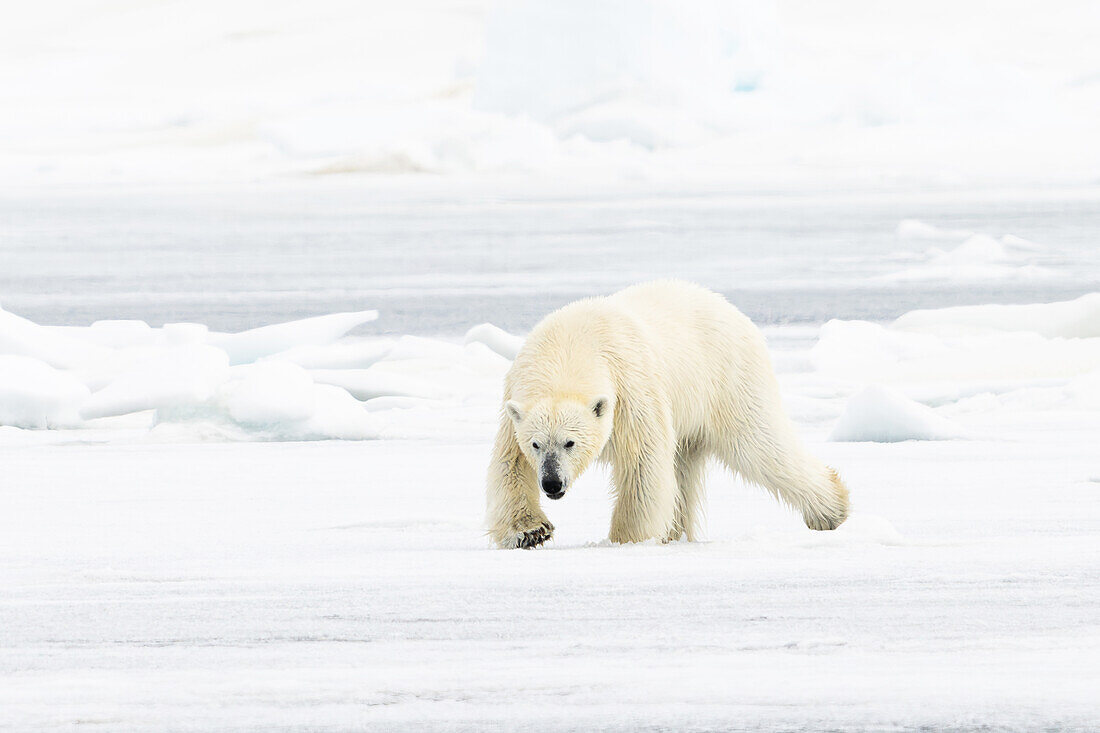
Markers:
(535, 537)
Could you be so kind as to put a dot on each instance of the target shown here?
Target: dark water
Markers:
(436, 261)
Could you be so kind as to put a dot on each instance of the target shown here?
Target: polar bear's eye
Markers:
(569, 444)
(535, 446)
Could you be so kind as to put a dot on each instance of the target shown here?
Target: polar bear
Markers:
(654, 380)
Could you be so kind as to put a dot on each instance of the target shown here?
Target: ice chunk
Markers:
(185, 333)
(337, 415)
(269, 400)
(366, 384)
(859, 348)
(979, 249)
(496, 339)
(279, 401)
(1078, 318)
(394, 403)
(114, 334)
(25, 338)
(248, 346)
(978, 257)
(117, 334)
(269, 394)
(35, 395)
(881, 415)
(171, 377)
(861, 351)
(348, 353)
(420, 348)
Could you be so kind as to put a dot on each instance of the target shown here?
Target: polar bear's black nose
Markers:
(551, 487)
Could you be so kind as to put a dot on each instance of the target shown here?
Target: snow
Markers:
(22, 337)
(35, 395)
(886, 416)
(366, 384)
(767, 94)
(165, 378)
(497, 339)
(183, 548)
(347, 353)
(256, 343)
(915, 378)
(334, 585)
(649, 73)
(1076, 319)
(265, 266)
(940, 351)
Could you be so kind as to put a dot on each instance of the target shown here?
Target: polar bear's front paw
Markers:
(533, 537)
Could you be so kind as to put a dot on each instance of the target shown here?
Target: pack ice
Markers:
(922, 377)
(302, 380)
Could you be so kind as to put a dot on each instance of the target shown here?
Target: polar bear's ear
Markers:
(599, 405)
(514, 411)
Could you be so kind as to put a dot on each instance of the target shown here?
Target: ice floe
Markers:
(302, 380)
(925, 376)
(974, 257)
(883, 415)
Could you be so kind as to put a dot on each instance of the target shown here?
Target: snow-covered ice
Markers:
(247, 384)
(496, 339)
(334, 586)
(1077, 319)
(912, 379)
(979, 257)
(165, 566)
(35, 395)
(264, 265)
(264, 341)
(885, 416)
(223, 506)
(772, 93)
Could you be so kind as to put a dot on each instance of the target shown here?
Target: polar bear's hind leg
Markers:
(772, 456)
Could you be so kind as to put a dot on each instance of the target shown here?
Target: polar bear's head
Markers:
(561, 437)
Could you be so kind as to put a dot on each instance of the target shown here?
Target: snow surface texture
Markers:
(766, 93)
(333, 586)
(153, 577)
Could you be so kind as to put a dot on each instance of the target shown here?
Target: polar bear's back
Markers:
(707, 348)
(697, 345)
(671, 306)
(686, 321)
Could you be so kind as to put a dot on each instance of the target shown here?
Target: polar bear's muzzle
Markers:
(551, 479)
(553, 488)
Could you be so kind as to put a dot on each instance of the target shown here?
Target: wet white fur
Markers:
(686, 376)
